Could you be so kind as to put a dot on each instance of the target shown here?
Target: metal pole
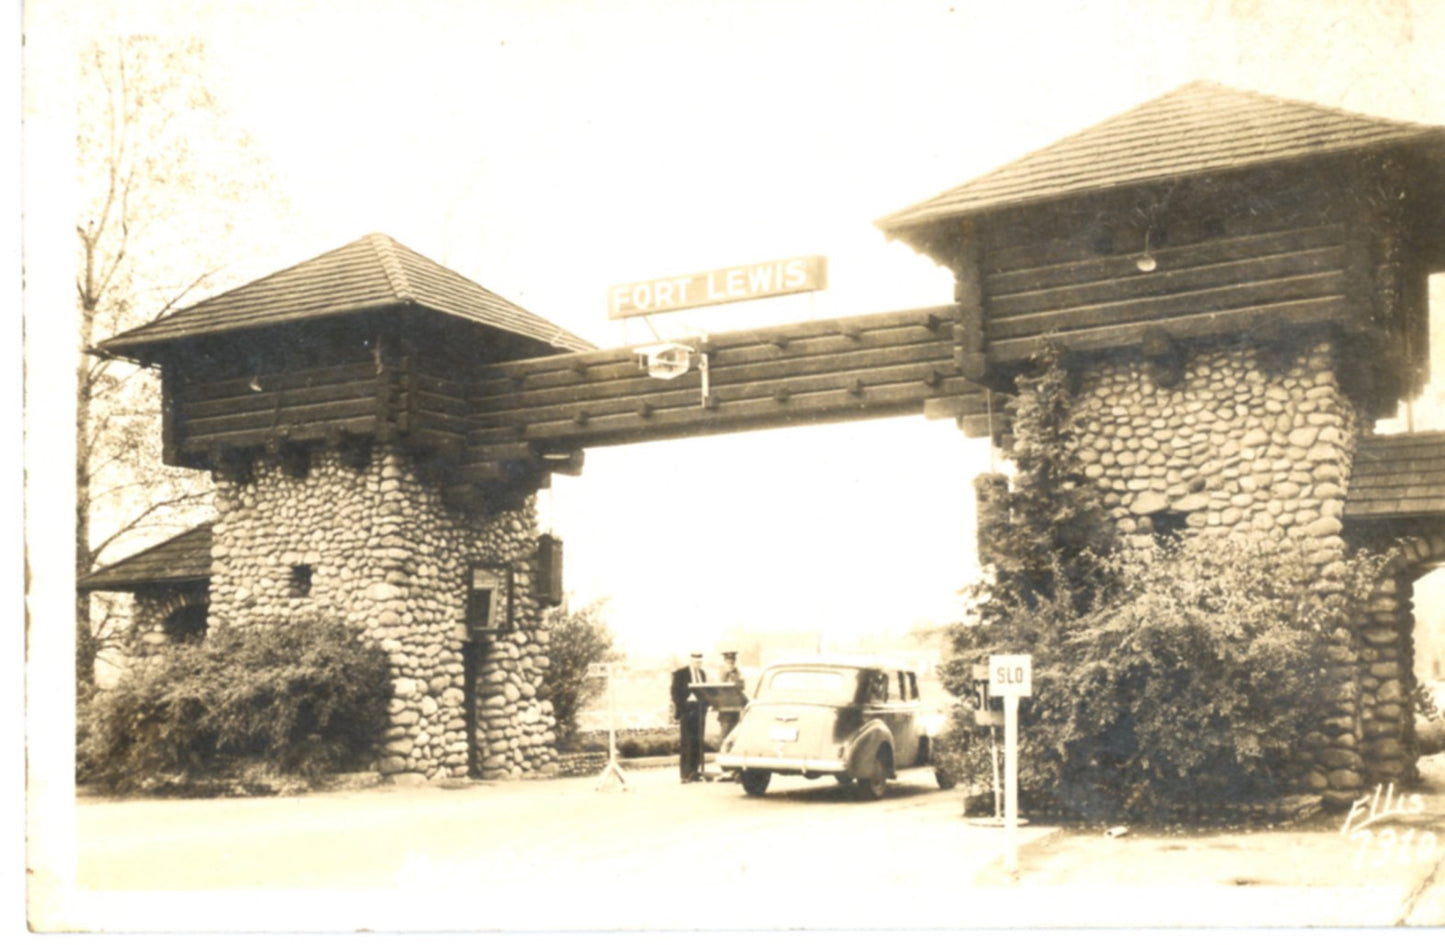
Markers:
(701, 730)
(611, 721)
(1011, 788)
(997, 784)
(613, 769)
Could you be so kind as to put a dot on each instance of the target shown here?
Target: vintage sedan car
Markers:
(860, 722)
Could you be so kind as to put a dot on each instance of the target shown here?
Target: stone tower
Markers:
(328, 403)
(1241, 281)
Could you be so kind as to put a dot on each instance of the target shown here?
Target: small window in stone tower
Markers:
(484, 604)
(300, 580)
(1168, 525)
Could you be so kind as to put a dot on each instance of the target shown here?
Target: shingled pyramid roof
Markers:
(184, 559)
(1398, 475)
(372, 273)
(1200, 127)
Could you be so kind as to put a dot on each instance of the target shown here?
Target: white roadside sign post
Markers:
(613, 771)
(1011, 676)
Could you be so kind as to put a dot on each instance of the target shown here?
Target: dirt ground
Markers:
(1397, 865)
(564, 855)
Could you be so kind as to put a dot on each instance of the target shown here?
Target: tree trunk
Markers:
(85, 643)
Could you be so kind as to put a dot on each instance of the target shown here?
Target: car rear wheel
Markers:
(844, 779)
(872, 788)
(756, 782)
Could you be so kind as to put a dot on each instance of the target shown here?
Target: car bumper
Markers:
(781, 765)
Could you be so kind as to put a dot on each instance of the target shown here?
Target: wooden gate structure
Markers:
(1240, 280)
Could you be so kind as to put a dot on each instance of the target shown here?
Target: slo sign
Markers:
(737, 284)
(1011, 674)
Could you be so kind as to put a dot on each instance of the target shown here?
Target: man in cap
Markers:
(691, 713)
(727, 719)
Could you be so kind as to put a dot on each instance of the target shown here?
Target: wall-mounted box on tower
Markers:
(549, 570)
(489, 592)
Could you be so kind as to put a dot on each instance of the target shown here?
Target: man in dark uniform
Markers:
(727, 719)
(691, 714)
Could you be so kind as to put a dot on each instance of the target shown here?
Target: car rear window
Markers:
(828, 686)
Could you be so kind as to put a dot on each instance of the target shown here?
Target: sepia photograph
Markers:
(733, 466)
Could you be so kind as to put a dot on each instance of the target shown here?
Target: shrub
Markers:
(637, 743)
(1167, 679)
(577, 639)
(1197, 682)
(300, 699)
(1188, 688)
(1429, 723)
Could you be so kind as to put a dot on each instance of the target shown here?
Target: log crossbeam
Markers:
(888, 364)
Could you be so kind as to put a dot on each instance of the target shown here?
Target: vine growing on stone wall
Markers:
(1048, 561)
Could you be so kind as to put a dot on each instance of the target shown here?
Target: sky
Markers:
(551, 149)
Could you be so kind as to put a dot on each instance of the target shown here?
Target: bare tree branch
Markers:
(145, 513)
(203, 277)
(152, 181)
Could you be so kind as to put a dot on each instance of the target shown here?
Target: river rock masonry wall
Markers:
(368, 540)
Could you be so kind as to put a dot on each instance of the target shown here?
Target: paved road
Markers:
(538, 855)
(559, 855)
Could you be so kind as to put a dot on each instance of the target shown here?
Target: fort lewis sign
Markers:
(735, 284)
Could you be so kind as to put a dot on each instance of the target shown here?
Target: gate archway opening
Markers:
(819, 536)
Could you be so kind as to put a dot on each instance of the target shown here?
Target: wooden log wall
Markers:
(877, 365)
(526, 418)
(312, 404)
(434, 407)
(1292, 276)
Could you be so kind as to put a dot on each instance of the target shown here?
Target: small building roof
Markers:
(184, 559)
(1399, 475)
(1198, 128)
(371, 274)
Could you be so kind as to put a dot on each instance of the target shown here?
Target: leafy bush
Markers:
(1167, 679)
(1429, 721)
(577, 639)
(1422, 699)
(636, 743)
(302, 699)
(1193, 686)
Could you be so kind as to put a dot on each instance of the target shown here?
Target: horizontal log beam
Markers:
(1333, 310)
(976, 426)
(439, 421)
(195, 408)
(498, 452)
(1297, 288)
(453, 397)
(435, 383)
(625, 426)
(951, 408)
(567, 464)
(781, 392)
(810, 373)
(1046, 265)
(277, 417)
(281, 380)
(1163, 282)
(252, 439)
(728, 349)
(434, 440)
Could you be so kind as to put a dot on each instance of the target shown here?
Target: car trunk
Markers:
(791, 731)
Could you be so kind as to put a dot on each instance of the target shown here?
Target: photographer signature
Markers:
(1365, 825)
